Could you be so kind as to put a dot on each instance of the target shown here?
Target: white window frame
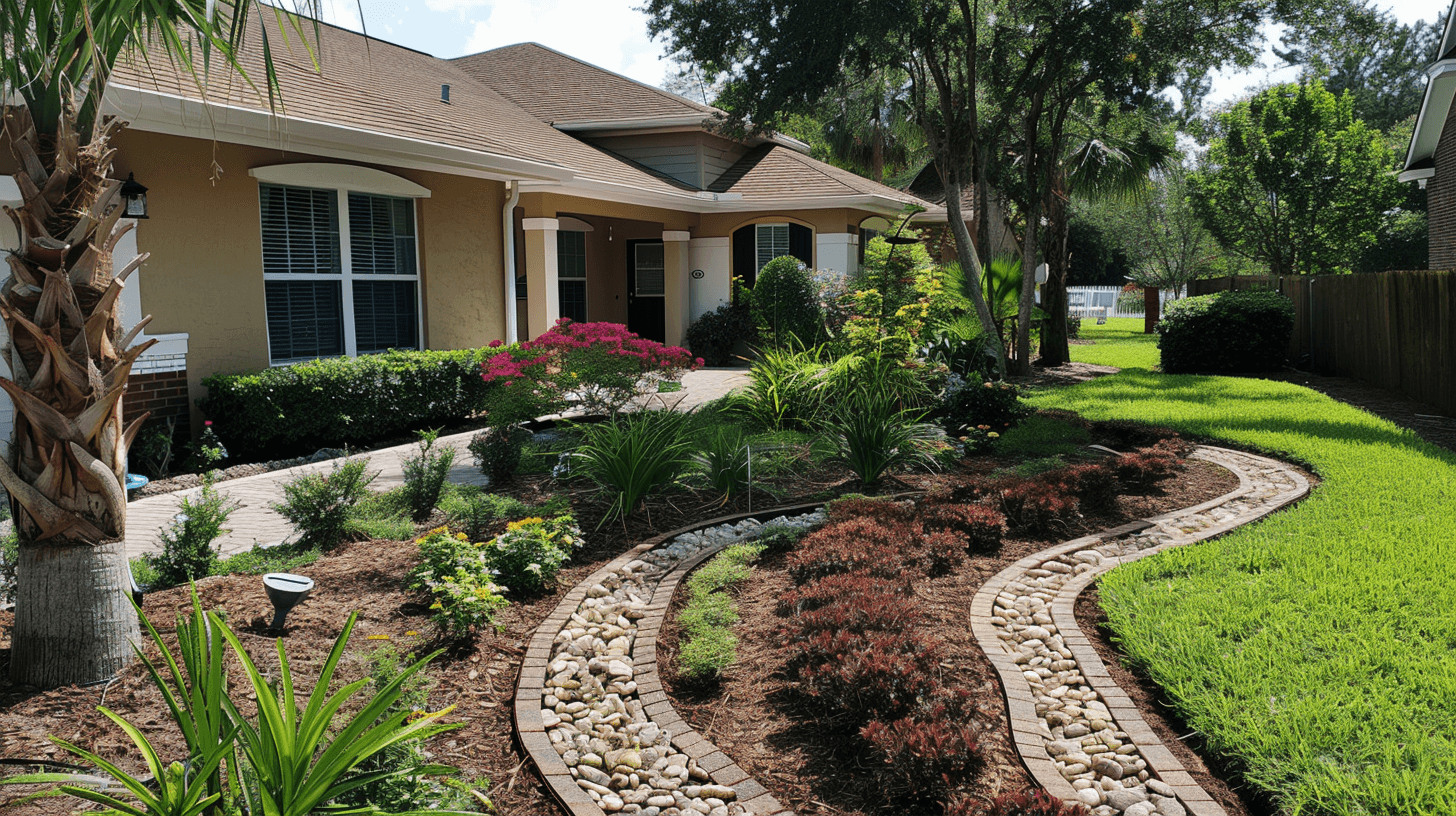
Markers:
(584, 272)
(346, 277)
(757, 253)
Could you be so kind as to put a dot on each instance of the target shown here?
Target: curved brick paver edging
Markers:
(1077, 732)
(633, 578)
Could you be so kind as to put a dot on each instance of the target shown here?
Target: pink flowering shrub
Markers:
(597, 367)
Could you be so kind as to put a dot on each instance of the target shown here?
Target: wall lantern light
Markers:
(135, 196)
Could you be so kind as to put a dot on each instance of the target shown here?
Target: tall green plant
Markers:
(873, 435)
(174, 790)
(781, 389)
(632, 455)
(301, 760)
(425, 473)
(785, 308)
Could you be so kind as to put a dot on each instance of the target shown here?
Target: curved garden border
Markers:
(1153, 782)
(1078, 734)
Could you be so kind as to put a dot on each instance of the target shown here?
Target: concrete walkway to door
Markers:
(255, 522)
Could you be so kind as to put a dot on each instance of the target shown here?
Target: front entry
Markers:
(646, 289)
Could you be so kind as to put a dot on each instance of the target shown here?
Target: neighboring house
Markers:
(397, 200)
(1431, 159)
(927, 185)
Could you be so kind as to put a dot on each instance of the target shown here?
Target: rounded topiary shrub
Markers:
(1227, 332)
(715, 335)
(785, 308)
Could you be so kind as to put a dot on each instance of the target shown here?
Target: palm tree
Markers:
(69, 357)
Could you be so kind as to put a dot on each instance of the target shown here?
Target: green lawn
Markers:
(1119, 342)
(1316, 648)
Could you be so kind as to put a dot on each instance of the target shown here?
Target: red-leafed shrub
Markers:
(1141, 471)
(860, 613)
(835, 588)
(851, 507)
(877, 674)
(1035, 507)
(1094, 485)
(943, 552)
(981, 527)
(1035, 802)
(924, 757)
(856, 545)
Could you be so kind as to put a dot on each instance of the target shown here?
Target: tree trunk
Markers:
(72, 615)
(69, 362)
(970, 263)
(1055, 350)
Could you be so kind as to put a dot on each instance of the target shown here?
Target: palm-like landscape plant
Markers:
(69, 354)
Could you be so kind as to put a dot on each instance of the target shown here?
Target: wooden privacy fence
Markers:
(1392, 329)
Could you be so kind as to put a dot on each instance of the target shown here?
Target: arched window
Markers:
(756, 244)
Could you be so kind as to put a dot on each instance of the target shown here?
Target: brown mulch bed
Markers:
(755, 716)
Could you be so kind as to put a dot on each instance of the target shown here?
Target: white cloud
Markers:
(455, 6)
(342, 13)
(609, 33)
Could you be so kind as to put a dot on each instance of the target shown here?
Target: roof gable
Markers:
(560, 89)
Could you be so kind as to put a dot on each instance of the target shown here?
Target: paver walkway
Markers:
(255, 522)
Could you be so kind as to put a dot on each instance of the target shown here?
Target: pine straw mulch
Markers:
(817, 766)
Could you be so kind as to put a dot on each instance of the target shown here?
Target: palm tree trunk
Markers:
(66, 465)
(1055, 349)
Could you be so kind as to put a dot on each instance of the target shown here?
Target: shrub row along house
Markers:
(398, 200)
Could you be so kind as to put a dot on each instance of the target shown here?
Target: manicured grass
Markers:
(1119, 342)
(1316, 648)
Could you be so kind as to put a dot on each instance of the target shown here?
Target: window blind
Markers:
(773, 241)
(386, 316)
(300, 230)
(381, 235)
(304, 320)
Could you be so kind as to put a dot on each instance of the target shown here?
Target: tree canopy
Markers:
(1293, 179)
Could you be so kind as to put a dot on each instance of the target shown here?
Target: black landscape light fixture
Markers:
(135, 197)
(285, 591)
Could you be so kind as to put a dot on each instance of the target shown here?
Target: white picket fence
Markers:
(1102, 301)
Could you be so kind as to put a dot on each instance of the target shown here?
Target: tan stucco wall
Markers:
(723, 224)
(205, 276)
(549, 205)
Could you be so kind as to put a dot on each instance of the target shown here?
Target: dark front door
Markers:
(646, 279)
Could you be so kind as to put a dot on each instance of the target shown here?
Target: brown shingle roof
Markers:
(381, 87)
(777, 172)
(555, 87)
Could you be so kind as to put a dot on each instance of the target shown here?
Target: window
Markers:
(338, 286)
(571, 273)
(651, 270)
(773, 241)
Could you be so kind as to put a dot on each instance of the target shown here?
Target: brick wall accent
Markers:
(164, 393)
(1441, 200)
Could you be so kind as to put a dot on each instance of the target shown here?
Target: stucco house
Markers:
(398, 200)
(1431, 159)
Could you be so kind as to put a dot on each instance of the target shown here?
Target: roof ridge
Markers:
(659, 91)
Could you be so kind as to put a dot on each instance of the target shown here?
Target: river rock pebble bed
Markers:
(1080, 736)
(591, 710)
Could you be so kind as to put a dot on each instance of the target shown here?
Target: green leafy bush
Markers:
(708, 654)
(1227, 332)
(975, 401)
(497, 450)
(187, 552)
(715, 335)
(785, 304)
(425, 473)
(632, 455)
(9, 559)
(708, 646)
(341, 401)
(527, 556)
(473, 510)
(321, 507)
(455, 572)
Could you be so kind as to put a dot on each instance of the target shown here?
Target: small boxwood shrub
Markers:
(1227, 332)
(341, 401)
(1095, 486)
(785, 304)
(1035, 507)
(716, 334)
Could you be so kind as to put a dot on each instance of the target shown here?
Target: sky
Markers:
(613, 34)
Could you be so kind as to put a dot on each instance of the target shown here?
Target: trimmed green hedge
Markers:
(1226, 333)
(297, 409)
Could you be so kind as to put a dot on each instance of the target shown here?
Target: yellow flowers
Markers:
(525, 522)
(377, 637)
(993, 435)
(461, 537)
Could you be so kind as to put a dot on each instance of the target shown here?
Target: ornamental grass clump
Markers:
(630, 456)
(873, 435)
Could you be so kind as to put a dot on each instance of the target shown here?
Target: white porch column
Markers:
(543, 295)
(675, 256)
(713, 257)
(838, 251)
